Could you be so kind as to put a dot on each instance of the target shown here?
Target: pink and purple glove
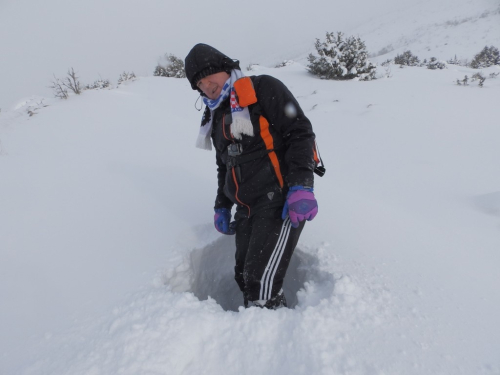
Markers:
(222, 220)
(300, 205)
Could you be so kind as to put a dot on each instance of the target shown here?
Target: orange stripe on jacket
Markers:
(316, 158)
(268, 140)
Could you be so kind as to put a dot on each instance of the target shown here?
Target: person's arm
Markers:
(221, 201)
(284, 113)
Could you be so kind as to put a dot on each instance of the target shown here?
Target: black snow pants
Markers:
(264, 247)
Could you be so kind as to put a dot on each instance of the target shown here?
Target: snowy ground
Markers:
(109, 255)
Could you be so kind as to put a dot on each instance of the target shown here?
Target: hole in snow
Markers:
(210, 272)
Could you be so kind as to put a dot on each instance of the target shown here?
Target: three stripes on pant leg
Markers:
(266, 283)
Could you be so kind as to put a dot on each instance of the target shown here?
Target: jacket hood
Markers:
(204, 60)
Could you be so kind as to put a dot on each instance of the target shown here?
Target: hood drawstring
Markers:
(201, 104)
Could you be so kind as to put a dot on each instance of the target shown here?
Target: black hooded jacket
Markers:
(281, 151)
(280, 154)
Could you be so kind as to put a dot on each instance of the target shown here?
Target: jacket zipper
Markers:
(236, 193)
(233, 172)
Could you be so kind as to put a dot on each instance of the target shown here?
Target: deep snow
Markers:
(109, 252)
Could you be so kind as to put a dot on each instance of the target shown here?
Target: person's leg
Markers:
(242, 239)
(270, 249)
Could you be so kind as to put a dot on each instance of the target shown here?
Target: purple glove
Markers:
(300, 205)
(222, 220)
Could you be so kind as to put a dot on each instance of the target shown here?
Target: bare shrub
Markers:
(59, 89)
(71, 82)
(125, 76)
(284, 63)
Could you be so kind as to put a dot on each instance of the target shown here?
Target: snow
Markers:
(440, 29)
(111, 265)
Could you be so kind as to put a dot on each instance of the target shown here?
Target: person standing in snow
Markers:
(266, 155)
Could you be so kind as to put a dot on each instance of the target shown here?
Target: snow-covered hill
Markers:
(442, 29)
(109, 253)
(104, 39)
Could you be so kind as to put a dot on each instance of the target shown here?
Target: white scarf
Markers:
(241, 116)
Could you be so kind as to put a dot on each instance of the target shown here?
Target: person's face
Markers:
(212, 85)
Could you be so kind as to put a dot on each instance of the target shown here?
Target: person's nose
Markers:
(204, 83)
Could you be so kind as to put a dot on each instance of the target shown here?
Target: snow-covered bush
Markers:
(251, 67)
(284, 63)
(32, 109)
(98, 85)
(478, 77)
(341, 58)
(463, 82)
(455, 61)
(170, 66)
(487, 57)
(125, 76)
(434, 63)
(407, 58)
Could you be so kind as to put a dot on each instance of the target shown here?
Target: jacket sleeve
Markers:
(221, 200)
(284, 113)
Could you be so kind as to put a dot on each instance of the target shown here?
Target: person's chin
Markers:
(215, 95)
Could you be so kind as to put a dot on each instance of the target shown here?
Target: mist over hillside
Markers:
(441, 29)
(103, 39)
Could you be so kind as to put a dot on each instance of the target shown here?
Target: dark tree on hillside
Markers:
(407, 58)
(489, 56)
(434, 64)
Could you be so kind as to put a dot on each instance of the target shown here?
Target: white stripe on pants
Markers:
(266, 283)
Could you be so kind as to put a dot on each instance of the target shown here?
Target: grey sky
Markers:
(105, 38)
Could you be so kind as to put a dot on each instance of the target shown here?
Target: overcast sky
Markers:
(104, 38)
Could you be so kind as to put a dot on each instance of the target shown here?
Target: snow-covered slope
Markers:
(442, 29)
(109, 253)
